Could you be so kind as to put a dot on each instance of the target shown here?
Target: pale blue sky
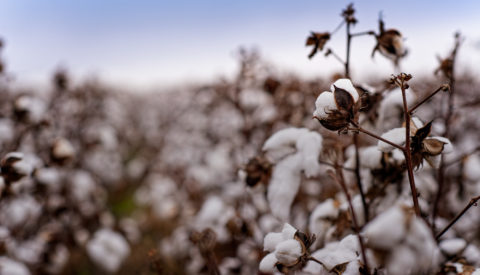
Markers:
(145, 43)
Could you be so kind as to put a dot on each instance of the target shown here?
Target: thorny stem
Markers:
(360, 129)
(472, 202)
(444, 87)
(407, 152)
(338, 177)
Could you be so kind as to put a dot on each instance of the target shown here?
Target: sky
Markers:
(146, 44)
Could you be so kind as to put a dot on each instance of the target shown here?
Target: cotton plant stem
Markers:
(355, 136)
(338, 58)
(360, 129)
(363, 33)
(472, 202)
(338, 177)
(408, 153)
(425, 99)
(347, 59)
(333, 165)
(358, 178)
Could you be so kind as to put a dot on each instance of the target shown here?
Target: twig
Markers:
(358, 178)
(333, 165)
(407, 152)
(338, 27)
(363, 33)
(360, 129)
(338, 58)
(347, 59)
(338, 177)
(444, 87)
(473, 202)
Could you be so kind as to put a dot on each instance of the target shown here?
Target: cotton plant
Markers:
(294, 152)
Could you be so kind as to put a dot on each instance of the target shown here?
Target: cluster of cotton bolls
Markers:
(392, 239)
(55, 180)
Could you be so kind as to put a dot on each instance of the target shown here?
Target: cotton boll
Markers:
(284, 186)
(396, 135)
(271, 241)
(20, 211)
(314, 268)
(6, 130)
(471, 168)
(49, 177)
(324, 104)
(252, 99)
(346, 84)
(402, 261)
(108, 249)
(352, 268)
(288, 252)
(288, 231)
(267, 264)
(453, 246)
(12, 267)
(386, 229)
(310, 145)
(286, 175)
(268, 223)
(62, 149)
(472, 254)
(283, 138)
(334, 254)
(370, 157)
(417, 122)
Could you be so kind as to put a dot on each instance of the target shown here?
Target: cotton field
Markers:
(262, 173)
